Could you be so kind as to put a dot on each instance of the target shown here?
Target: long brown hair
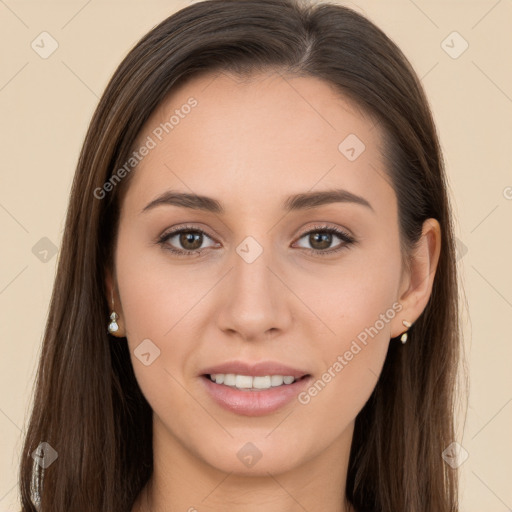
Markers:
(88, 405)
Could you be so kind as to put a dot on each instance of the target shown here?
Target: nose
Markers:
(256, 302)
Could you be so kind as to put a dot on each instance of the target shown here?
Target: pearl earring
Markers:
(404, 335)
(113, 326)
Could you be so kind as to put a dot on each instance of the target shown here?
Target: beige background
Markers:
(46, 105)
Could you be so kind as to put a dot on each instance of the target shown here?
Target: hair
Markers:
(87, 403)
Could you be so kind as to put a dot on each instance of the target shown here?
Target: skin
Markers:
(250, 144)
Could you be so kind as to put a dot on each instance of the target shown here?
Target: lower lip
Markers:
(254, 403)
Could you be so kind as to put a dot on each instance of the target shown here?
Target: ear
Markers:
(112, 292)
(418, 280)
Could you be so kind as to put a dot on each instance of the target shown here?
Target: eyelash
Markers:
(345, 237)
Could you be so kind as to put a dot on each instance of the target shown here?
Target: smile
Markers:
(253, 395)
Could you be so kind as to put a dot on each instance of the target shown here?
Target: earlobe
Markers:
(404, 336)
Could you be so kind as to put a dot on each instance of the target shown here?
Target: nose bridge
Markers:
(255, 301)
(251, 272)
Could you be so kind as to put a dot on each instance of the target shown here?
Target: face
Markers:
(256, 282)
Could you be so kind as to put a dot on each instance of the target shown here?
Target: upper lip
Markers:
(261, 368)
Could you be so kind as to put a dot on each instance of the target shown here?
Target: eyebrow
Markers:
(296, 202)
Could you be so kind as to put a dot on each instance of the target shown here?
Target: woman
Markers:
(255, 306)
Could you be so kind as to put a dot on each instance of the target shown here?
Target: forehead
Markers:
(259, 138)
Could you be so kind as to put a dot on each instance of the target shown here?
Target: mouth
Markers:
(254, 390)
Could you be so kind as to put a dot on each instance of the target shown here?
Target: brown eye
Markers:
(190, 240)
(320, 240)
(185, 241)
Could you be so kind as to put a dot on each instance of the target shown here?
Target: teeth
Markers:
(229, 379)
(249, 382)
(243, 382)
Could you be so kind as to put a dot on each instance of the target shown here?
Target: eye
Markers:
(188, 239)
(321, 237)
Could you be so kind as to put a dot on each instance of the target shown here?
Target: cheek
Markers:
(155, 292)
(158, 311)
(352, 362)
(351, 299)
(158, 302)
(358, 305)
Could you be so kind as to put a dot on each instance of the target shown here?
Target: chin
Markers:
(253, 455)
